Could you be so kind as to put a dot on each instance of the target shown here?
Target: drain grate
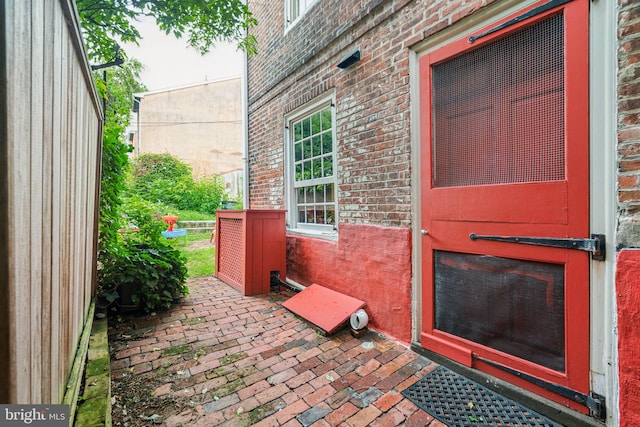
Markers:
(459, 402)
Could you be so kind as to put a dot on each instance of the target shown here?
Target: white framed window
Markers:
(294, 9)
(311, 167)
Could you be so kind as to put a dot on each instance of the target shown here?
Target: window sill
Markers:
(327, 235)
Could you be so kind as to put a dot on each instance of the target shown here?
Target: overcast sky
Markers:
(170, 62)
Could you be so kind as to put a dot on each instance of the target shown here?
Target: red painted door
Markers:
(504, 140)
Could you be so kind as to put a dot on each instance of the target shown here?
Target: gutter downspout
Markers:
(245, 130)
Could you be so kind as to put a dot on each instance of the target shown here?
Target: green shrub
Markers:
(204, 195)
(162, 178)
(151, 167)
(143, 266)
(144, 216)
(153, 275)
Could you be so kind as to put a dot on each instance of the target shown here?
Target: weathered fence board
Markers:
(49, 194)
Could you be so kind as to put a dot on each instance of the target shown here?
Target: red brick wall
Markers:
(372, 97)
(629, 124)
(628, 232)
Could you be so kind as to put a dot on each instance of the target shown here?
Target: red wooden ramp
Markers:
(323, 307)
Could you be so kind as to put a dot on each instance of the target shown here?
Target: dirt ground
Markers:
(132, 394)
(200, 244)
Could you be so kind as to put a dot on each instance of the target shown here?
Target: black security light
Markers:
(349, 59)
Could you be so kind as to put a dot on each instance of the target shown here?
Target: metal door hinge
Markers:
(594, 402)
(596, 244)
(597, 406)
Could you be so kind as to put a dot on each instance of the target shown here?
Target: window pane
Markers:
(326, 119)
(331, 215)
(302, 217)
(306, 172)
(317, 168)
(327, 166)
(319, 211)
(329, 193)
(297, 131)
(316, 150)
(311, 217)
(298, 151)
(301, 196)
(327, 143)
(319, 193)
(306, 153)
(315, 124)
(306, 128)
(298, 171)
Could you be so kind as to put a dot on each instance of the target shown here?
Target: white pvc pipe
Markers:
(359, 319)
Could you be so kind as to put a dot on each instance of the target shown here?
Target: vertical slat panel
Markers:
(5, 286)
(67, 195)
(18, 16)
(57, 51)
(87, 242)
(36, 202)
(49, 87)
(74, 173)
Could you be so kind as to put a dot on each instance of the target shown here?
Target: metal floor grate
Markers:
(459, 402)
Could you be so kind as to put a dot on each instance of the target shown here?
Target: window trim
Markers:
(288, 6)
(290, 189)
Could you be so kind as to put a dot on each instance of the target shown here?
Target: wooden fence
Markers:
(50, 127)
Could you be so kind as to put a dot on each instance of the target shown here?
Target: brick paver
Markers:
(220, 358)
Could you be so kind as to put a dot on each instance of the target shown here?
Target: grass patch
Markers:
(194, 216)
(200, 262)
(196, 237)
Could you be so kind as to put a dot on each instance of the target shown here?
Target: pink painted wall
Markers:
(628, 299)
(370, 263)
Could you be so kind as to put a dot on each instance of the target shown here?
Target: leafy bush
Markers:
(204, 195)
(162, 178)
(143, 266)
(154, 276)
(117, 92)
(151, 167)
(145, 216)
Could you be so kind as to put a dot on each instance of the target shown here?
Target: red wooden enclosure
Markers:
(250, 247)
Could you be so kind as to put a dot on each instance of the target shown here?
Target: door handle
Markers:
(596, 244)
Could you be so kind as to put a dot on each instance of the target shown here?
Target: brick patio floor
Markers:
(231, 360)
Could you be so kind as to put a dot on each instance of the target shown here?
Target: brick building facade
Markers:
(374, 246)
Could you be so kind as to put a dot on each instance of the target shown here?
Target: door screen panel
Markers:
(498, 110)
(513, 306)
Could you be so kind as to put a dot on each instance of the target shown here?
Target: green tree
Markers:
(202, 22)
